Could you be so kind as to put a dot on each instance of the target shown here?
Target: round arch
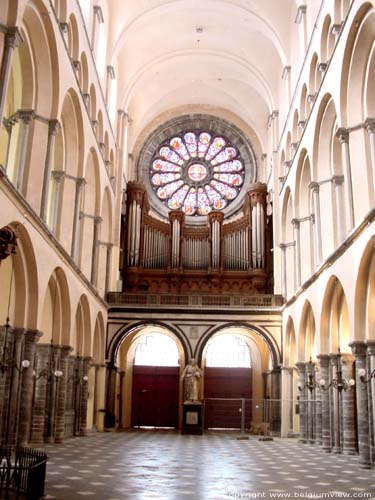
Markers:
(252, 329)
(364, 308)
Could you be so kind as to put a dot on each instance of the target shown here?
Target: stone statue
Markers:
(192, 381)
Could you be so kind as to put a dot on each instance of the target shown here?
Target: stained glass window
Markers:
(197, 172)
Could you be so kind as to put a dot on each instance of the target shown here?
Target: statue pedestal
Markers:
(192, 422)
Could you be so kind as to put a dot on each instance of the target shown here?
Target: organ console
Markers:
(174, 256)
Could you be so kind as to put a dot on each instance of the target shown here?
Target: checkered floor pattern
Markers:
(165, 465)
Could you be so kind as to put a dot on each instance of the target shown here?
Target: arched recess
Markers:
(290, 350)
(303, 104)
(100, 130)
(85, 73)
(98, 346)
(19, 279)
(325, 40)
(304, 210)
(127, 344)
(306, 334)
(82, 337)
(93, 103)
(68, 165)
(364, 305)
(105, 248)
(9, 11)
(90, 214)
(287, 239)
(355, 60)
(313, 85)
(73, 38)
(265, 335)
(295, 130)
(357, 87)
(55, 321)
(328, 161)
(335, 330)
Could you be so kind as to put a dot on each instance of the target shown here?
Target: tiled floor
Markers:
(165, 465)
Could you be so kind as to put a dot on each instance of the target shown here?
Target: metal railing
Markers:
(257, 416)
(22, 473)
(194, 301)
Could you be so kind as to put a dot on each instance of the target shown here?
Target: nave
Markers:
(165, 465)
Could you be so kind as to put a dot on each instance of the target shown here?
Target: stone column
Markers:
(80, 183)
(297, 253)
(343, 136)
(284, 290)
(301, 367)
(26, 397)
(276, 402)
(26, 117)
(15, 386)
(53, 128)
(325, 404)
(53, 383)
(40, 393)
(336, 409)
(348, 407)
(318, 407)
(58, 176)
(61, 395)
(12, 40)
(371, 393)
(108, 268)
(310, 405)
(110, 417)
(359, 350)
(314, 186)
(338, 181)
(370, 127)
(95, 250)
(84, 395)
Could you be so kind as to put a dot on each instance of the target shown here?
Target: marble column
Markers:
(311, 407)
(318, 407)
(314, 186)
(371, 394)
(325, 404)
(95, 250)
(80, 183)
(338, 181)
(12, 40)
(43, 353)
(276, 402)
(297, 252)
(284, 289)
(108, 268)
(58, 176)
(26, 118)
(343, 136)
(349, 441)
(370, 127)
(336, 409)
(53, 128)
(359, 349)
(86, 360)
(301, 367)
(61, 395)
(110, 418)
(26, 397)
(53, 384)
(15, 386)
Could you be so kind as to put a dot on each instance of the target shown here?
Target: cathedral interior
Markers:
(188, 180)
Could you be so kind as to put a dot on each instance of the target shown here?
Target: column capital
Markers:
(370, 125)
(176, 215)
(301, 10)
(58, 175)
(111, 72)
(53, 127)
(32, 336)
(64, 27)
(97, 219)
(336, 29)
(66, 350)
(311, 98)
(99, 14)
(301, 366)
(343, 135)
(13, 37)
(282, 246)
(295, 223)
(358, 347)
(370, 347)
(323, 360)
(337, 179)
(26, 115)
(124, 115)
(81, 182)
(215, 215)
(286, 72)
(314, 186)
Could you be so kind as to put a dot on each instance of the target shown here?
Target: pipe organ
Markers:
(175, 256)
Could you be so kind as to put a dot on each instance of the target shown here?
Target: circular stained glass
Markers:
(197, 172)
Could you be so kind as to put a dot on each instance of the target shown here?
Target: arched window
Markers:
(229, 351)
(197, 172)
(156, 349)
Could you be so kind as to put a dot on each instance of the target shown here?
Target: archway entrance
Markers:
(155, 387)
(227, 382)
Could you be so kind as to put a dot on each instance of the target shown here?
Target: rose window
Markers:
(197, 173)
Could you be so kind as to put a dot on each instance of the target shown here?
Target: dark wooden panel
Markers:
(227, 383)
(155, 396)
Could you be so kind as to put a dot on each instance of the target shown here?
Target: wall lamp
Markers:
(362, 375)
(339, 382)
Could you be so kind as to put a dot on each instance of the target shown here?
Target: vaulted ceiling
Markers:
(228, 54)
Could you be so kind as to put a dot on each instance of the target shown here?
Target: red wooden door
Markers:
(155, 396)
(227, 383)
